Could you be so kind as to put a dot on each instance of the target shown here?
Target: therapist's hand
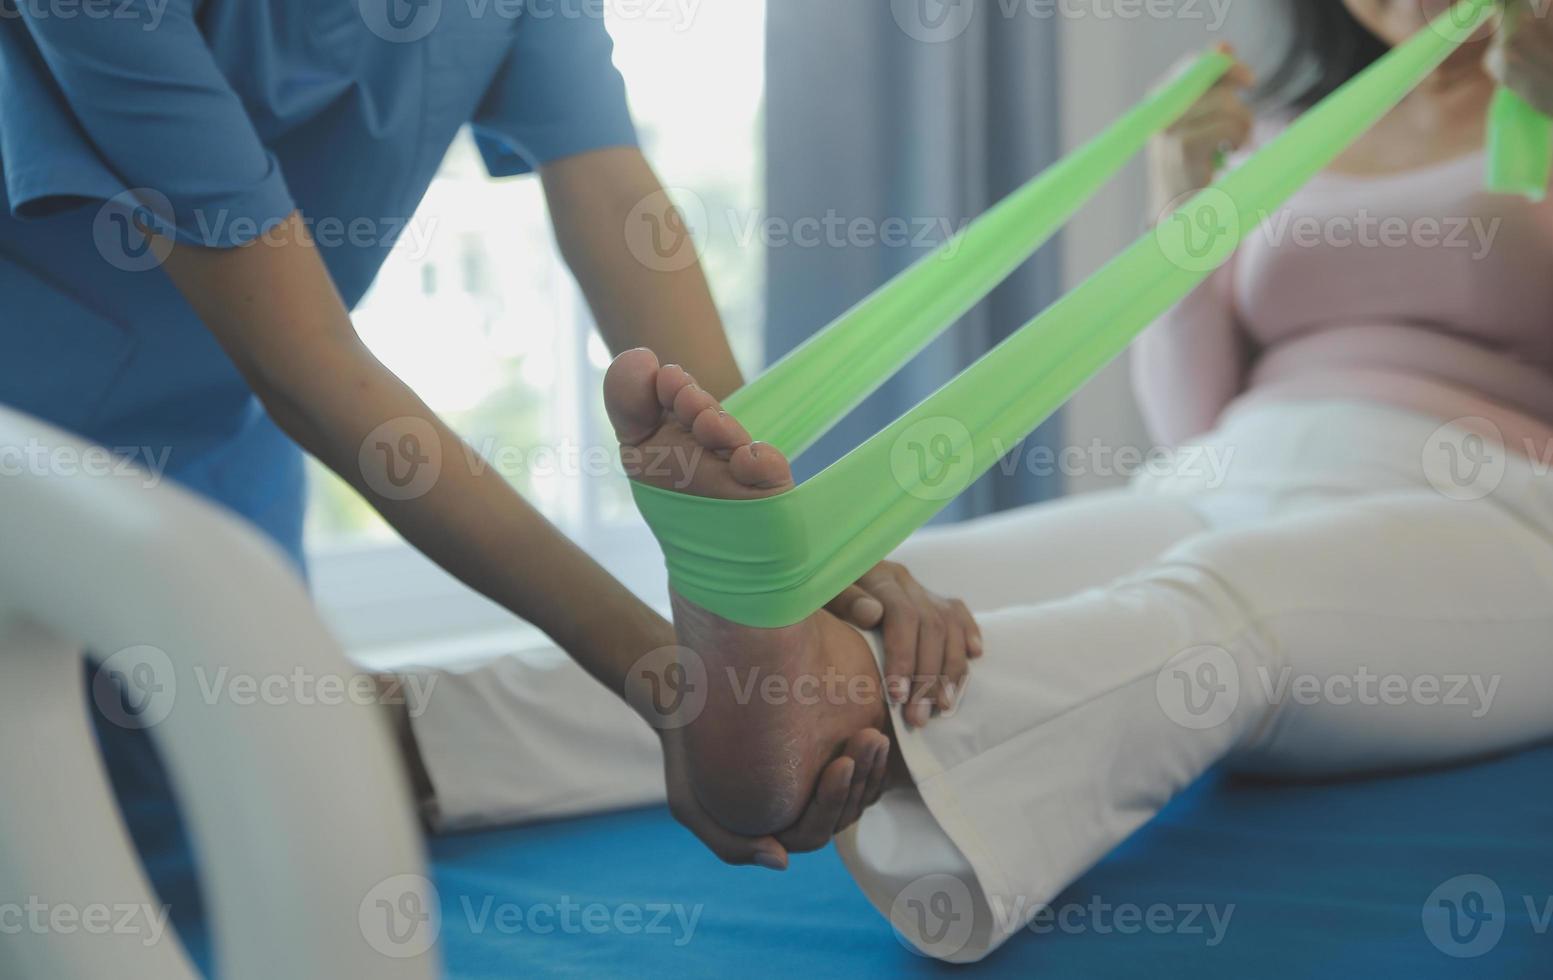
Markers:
(929, 641)
(848, 786)
(1522, 54)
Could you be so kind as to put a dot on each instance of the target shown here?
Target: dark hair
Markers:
(1327, 48)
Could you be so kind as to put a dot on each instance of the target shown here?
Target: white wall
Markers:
(1108, 62)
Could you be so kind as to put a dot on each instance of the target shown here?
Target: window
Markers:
(475, 310)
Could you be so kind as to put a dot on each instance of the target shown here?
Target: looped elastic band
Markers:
(772, 562)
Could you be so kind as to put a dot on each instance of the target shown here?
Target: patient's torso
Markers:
(1417, 289)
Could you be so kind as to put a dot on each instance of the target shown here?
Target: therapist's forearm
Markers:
(473, 524)
(276, 313)
(607, 206)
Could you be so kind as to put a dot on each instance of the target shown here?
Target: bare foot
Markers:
(783, 702)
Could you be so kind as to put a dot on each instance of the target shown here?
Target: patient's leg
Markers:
(782, 702)
(758, 759)
(1048, 551)
(1331, 641)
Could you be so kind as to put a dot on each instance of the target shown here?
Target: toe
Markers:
(672, 379)
(719, 432)
(691, 402)
(759, 466)
(630, 396)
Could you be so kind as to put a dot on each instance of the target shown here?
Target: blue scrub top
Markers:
(214, 119)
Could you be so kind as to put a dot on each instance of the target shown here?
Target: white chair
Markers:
(298, 810)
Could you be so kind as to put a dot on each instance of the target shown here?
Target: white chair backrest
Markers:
(311, 864)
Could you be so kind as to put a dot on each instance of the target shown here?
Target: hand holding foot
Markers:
(784, 704)
(928, 640)
(847, 786)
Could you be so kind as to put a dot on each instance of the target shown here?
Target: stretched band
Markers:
(798, 399)
(772, 562)
(1520, 147)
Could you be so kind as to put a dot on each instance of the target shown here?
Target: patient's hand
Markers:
(847, 786)
(1522, 54)
(928, 640)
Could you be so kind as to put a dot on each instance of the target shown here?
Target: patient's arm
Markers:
(1191, 363)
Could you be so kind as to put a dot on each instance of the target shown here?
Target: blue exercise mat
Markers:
(1313, 880)
(1434, 875)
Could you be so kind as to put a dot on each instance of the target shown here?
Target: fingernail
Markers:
(897, 687)
(868, 609)
(770, 861)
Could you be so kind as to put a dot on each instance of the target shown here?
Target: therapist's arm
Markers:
(273, 307)
(636, 264)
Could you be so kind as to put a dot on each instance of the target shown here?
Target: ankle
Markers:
(850, 654)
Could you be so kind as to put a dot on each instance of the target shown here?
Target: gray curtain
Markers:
(926, 111)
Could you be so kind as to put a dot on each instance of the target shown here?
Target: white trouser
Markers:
(1323, 587)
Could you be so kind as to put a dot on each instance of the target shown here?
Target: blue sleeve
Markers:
(558, 94)
(131, 109)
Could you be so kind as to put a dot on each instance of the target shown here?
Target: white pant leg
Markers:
(529, 738)
(1413, 631)
(526, 738)
(1028, 556)
(1087, 714)
(1048, 550)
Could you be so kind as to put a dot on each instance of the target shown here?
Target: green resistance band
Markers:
(799, 398)
(772, 562)
(1520, 138)
(1520, 147)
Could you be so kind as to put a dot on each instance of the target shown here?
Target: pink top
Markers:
(1418, 290)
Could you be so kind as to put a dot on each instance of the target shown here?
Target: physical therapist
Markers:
(162, 161)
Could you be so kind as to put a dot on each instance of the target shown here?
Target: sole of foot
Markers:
(782, 702)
